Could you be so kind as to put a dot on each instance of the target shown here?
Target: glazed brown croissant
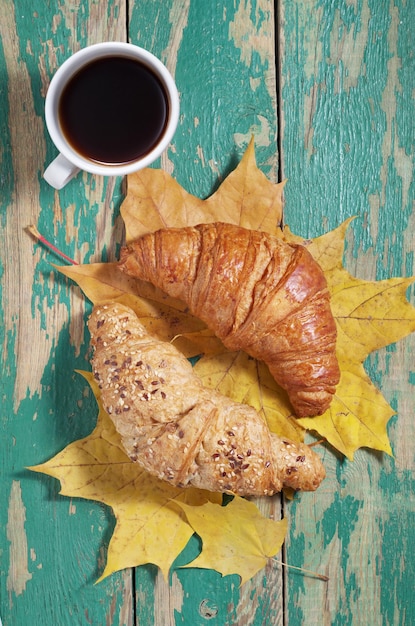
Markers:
(257, 293)
(179, 430)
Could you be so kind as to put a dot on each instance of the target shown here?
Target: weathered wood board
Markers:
(327, 90)
(348, 149)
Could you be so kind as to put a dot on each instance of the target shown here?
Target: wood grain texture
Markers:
(222, 58)
(348, 149)
(347, 143)
(51, 547)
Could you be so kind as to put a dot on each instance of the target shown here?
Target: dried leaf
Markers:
(237, 539)
(246, 197)
(246, 380)
(162, 316)
(149, 528)
(369, 315)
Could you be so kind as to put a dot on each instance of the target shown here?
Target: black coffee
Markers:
(113, 110)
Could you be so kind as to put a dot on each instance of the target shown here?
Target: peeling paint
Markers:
(126, 613)
(261, 131)
(178, 16)
(348, 45)
(167, 599)
(201, 155)
(243, 35)
(402, 162)
(18, 574)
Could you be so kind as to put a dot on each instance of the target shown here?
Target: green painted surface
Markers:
(347, 144)
(348, 149)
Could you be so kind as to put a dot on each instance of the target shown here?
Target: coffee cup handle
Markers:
(60, 172)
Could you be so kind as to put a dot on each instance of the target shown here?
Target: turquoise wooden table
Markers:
(327, 90)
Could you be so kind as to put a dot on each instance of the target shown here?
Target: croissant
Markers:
(257, 293)
(181, 431)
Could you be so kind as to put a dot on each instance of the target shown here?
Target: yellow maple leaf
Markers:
(237, 539)
(162, 316)
(246, 380)
(149, 527)
(368, 314)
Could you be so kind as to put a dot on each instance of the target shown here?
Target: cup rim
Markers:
(79, 59)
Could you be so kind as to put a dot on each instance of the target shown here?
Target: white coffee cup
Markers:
(70, 160)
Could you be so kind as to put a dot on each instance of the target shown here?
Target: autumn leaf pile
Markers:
(369, 315)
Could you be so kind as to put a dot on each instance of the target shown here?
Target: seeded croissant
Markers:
(181, 431)
(257, 293)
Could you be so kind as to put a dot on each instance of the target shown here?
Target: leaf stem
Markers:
(34, 231)
(302, 569)
(316, 443)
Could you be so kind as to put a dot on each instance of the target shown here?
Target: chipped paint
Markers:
(126, 612)
(347, 149)
(402, 160)
(200, 154)
(249, 41)
(262, 132)
(349, 34)
(346, 135)
(17, 313)
(178, 17)
(18, 574)
(179, 14)
(167, 598)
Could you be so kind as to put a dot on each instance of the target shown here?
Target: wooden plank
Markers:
(222, 57)
(348, 149)
(51, 547)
